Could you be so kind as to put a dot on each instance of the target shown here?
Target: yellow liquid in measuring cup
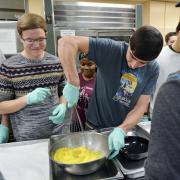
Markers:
(76, 155)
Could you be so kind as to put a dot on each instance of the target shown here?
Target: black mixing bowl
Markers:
(135, 148)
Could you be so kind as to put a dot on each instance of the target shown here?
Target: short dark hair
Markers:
(178, 4)
(178, 27)
(82, 55)
(168, 35)
(146, 43)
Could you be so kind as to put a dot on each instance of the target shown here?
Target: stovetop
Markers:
(118, 168)
(131, 168)
(108, 171)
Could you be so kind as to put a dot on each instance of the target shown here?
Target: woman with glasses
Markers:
(125, 79)
(30, 82)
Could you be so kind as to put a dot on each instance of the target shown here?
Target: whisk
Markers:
(76, 123)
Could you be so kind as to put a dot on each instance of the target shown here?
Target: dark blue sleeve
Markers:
(105, 50)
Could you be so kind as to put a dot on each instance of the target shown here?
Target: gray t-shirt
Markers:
(163, 162)
(19, 76)
(117, 87)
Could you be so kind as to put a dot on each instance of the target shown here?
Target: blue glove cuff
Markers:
(28, 99)
(72, 86)
(4, 134)
(120, 130)
(4, 128)
(71, 94)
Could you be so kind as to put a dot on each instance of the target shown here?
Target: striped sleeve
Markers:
(6, 85)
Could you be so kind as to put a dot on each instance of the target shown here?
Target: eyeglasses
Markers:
(30, 41)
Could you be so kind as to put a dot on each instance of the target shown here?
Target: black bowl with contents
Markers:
(135, 148)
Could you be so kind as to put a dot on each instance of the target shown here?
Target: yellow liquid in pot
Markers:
(76, 155)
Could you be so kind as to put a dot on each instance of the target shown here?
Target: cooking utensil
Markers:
(91, 140)
(135, 148)
(76, 123)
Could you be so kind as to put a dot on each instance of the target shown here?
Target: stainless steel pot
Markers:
(91, 140)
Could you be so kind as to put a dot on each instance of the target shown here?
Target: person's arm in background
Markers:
(68, 49)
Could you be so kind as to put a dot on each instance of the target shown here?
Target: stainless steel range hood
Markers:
(85, 15)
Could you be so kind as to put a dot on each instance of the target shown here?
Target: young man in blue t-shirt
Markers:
(125, 79)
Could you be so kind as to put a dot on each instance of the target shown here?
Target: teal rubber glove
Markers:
(58, 114)
(38, 95)
(71, 93)
(4, 134)
(116, 141)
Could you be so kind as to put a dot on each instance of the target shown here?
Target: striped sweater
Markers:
(18, 77)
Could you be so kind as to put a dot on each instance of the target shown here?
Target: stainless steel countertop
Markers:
(144, 129)
(24, 160)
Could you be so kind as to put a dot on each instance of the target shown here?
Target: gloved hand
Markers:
(71, 93)
(58, 114)
(4, 134)
(116, 141)
(38, 95)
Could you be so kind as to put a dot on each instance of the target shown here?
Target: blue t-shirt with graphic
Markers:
(117, 87)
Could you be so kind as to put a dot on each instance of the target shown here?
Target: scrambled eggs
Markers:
(76, 155)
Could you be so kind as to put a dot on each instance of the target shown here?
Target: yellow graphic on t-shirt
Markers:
(128, 84)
